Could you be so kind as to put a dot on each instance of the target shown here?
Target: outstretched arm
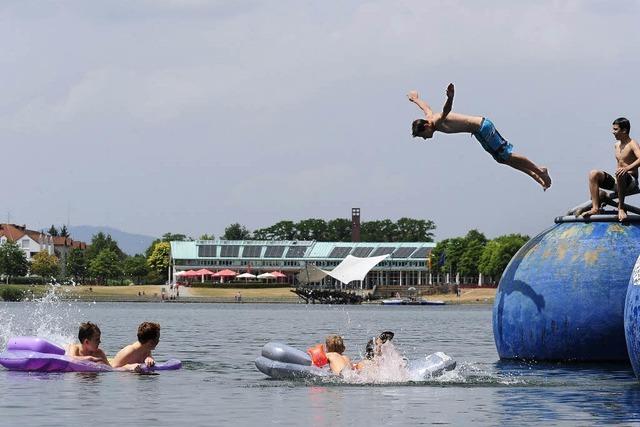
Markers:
(415, 98)
(449, 104)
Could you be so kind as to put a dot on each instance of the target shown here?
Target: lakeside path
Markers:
(152, 293)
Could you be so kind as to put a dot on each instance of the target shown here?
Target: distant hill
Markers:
(130, 244)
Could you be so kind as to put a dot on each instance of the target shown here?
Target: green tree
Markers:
(100, 242)
(339, 230)
(77, 264)
(167, 237)
(160, 258)
(64, 232)
(283, 230)
(45, 265)
(414, 230)
(498, 252)
(379, 231)
(135, 268)
(312, 229)
(13, 261)
(106, 265)
(53, 231)
(207, 237)
(474, 243)
(236, 231)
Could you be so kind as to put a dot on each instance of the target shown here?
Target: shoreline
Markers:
(152, 294)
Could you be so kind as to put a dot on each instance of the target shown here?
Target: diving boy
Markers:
(89, 346)
(481, 127)
(140, 351)
(337, 361)
(627, 154)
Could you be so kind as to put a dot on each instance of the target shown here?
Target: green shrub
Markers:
(11, 293)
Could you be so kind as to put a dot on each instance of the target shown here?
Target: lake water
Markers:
(219, 384)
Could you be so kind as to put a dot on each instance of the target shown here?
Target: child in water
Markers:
(337, 361)
(139, 351)
(89, 346)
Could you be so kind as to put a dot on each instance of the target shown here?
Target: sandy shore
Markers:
(151, 293)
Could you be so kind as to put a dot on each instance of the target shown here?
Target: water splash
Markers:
(47, 317)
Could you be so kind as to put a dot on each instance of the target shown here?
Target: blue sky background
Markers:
(185, 116)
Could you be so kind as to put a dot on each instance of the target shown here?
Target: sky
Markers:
(185, 116)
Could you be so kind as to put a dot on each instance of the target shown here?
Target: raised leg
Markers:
(595, 178)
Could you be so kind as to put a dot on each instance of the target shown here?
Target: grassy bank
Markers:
(150, 293)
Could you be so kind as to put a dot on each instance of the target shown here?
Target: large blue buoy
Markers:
(562, 296)
(632, 319)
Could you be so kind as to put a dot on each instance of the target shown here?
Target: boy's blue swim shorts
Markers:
(492, 142)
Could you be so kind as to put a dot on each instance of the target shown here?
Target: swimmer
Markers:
(371, 350)
(140, 351)
(627, 154)
(89, 347)
(481, 127)
(337, 361)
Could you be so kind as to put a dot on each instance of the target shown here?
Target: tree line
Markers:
(338, 230)
(474, 254)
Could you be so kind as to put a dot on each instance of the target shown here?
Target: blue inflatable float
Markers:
(562, 296)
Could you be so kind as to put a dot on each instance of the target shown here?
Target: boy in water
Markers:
(372, 350)
(627, 154)
(139, 351)
(337, 361)
(481, 127)
(89, 347)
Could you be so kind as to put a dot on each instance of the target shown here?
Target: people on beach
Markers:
(140, 351)
(337, 361)
(627, 154)
(481, 127)
(89, 346)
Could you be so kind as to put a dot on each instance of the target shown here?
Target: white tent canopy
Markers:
(350, 269)
(246, 276)
(266, 276)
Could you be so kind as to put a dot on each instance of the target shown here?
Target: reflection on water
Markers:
(219, 384)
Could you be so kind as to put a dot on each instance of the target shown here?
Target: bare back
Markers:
(337, 362)
(133, 353)
(626, 155)
(456, 123)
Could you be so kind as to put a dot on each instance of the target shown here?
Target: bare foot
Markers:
(592, 211)
(622, 215)
(546, 179)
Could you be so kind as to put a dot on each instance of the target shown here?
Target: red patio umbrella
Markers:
(225, 273)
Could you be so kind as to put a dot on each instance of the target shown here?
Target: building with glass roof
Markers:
(407, 263)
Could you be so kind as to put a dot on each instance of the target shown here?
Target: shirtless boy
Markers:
(89, 347)
(139, 351)
(337, 361)
(481, 127)
(626, 180)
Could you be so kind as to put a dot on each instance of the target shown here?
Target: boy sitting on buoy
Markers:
(481, 127)
(89, 346)
(627, 154)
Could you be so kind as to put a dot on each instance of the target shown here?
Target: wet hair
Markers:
(148, 331)
(334, 344)
(623, 123)
(418, 126)
(87, 331)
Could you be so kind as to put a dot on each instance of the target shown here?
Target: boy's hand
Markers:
(149, 361)
(413, 96)
(450, 90)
